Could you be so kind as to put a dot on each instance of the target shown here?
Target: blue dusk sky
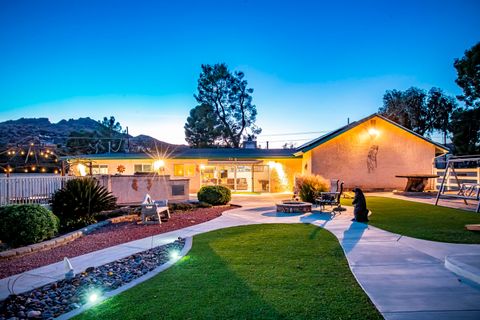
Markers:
(312, 64)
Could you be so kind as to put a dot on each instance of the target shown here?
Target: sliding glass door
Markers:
(237, 177)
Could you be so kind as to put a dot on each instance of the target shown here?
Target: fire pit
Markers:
(294, 207)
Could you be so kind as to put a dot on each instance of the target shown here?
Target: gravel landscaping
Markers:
(63, 296)
(107, 236)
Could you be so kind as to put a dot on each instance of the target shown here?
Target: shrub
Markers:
(214, 195)
(309, 186)
(104, 215)
(181, 206)
(26, 224)
(188, 206)
(77, 203)
(202, 204)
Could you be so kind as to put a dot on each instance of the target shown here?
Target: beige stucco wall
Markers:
(289, 167)
(132, 189)
(346, 156)
(129, 164)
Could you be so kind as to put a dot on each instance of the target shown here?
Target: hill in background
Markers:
(74, 136)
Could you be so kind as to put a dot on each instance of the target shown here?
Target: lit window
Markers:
(178, 170)
(99, 169)
(142, 168)
(190, 170)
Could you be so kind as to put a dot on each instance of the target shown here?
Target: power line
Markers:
(292, 134)
(285, 140)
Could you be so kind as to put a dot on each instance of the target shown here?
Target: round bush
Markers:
(77, 203)
(25, 224)
(214, 195)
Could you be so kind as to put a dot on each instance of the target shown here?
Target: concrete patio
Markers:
(404, 277)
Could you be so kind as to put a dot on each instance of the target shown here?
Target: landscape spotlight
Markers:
(93, 297)
(174, 254)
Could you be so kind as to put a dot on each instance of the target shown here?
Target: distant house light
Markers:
(158, 164)
(82, 170)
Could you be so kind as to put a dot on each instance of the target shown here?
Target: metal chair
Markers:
(331, 198)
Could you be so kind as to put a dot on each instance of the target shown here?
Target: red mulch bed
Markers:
(107, 236)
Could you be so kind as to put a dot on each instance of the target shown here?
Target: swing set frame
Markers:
(466, 191)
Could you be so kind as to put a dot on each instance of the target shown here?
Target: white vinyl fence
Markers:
(19, 190)
(464, 175)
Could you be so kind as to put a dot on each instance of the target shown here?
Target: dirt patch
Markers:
(105, 237)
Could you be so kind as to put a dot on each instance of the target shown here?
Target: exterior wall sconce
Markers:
(372, 131)
(159, 165)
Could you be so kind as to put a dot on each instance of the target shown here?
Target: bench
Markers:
(154, 211)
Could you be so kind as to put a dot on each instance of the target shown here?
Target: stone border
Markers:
(109, 294)
(294, 207)
(64, 239)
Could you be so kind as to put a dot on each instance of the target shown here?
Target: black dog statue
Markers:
(360, 210)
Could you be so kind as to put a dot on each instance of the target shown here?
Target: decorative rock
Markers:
(63, 296)
(34, 314)
(89, 269)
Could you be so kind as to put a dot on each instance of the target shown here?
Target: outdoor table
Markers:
(416, 182)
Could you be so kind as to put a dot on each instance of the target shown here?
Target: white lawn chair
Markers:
(154, 209)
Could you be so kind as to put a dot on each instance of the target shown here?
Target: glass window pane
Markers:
(103, 169)
(178, 170)
(189, 170)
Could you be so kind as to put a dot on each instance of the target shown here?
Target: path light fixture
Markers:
(174, 254)
(93, 297)
(69, 274)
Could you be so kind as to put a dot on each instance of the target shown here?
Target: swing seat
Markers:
(469, 191)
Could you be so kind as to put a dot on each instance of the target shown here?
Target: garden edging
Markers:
(64, 239)
(163, 267)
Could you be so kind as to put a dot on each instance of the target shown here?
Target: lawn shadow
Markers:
(352, 235)
(257, 209)
(322, 217)
(200, 286)
(276, 214)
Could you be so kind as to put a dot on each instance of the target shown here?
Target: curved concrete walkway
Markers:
(404, 277)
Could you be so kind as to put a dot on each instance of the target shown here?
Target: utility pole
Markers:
(128, 141)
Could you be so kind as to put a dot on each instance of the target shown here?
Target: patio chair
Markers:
(154, 211)
(331, 198)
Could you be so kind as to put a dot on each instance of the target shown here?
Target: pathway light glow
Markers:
(93, 297)
(174, 254)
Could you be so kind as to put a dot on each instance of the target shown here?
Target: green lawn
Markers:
(278, 271)
(420, 220)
